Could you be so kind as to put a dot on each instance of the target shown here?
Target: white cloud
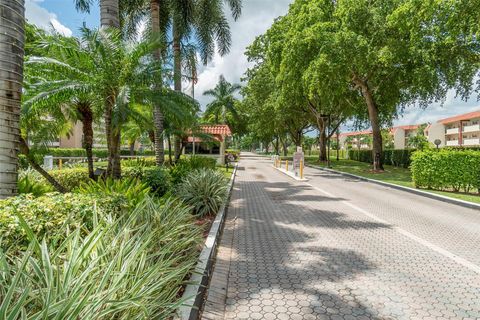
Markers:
(44, 19)
(257, 16)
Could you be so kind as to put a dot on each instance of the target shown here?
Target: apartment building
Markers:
(461, 130)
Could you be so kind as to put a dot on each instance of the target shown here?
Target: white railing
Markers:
(452, 143)
(472, 128)
(471, 142)
(452, 131)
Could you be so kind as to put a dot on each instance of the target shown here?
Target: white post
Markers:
(48, 162)
(222, 150)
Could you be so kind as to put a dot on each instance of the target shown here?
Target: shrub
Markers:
(205, 190)
(139, 162)
(447, 170)
(53, 214)
(235, 153)
(199, 162)
(127, 269)
(132, 189)
(186, 165)
(394, 157)
(70, 178)
(26, 184)
(158, 179)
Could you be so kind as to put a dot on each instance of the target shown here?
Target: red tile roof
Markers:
(355, 133)
(461, 117)
(218, 129)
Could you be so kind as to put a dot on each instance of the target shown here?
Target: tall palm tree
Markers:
(11, 61)
(224, 100)
(109, 11)
(199, 22)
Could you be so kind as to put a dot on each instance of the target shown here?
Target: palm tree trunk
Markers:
(87, 126)
(31, 160)
(116, 160)
(11, 77)
(109, 13)
(158, 117)
(177, 79)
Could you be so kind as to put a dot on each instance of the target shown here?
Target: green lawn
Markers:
(228, 173)
(395, 175)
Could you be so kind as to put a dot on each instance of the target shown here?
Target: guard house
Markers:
(209, 141)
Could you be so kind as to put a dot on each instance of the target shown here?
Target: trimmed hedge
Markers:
(53, 214)
(397, 158)
(447, 170)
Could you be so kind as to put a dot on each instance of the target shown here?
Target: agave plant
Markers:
(205, 190)
(129, 268)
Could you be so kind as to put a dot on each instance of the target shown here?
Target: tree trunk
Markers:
(86, 114)
(159, 148)
(132, 148)
(170, 150)
(109, 13)
(322, 139)
(108, 135)
(177, 78)
(377, 146)
(116, 160)
(11, 77)
(158, 117)
(31, 160)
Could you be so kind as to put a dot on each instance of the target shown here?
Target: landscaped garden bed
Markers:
(119, 249)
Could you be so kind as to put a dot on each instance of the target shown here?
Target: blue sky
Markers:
(257, 17)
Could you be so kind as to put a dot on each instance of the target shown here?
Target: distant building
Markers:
(461, 130)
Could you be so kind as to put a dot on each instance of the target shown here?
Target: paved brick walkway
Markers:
(337, 248)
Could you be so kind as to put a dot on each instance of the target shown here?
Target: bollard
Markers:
(286, 165)
(301, 169)
(60, 164)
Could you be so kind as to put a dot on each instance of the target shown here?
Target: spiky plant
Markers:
(205, 190)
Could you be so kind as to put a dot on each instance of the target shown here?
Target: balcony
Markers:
(471, 142)
(452, 131)
(472, 128)
(452, 143)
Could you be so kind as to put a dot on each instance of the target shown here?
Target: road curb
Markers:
(194, 293)
(466, 204)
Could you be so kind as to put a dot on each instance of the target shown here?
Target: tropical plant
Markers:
(131, 267)
(90, 67)
(11, 57)
(224, 100)
(205, 190)
(132, 189)
(29, 185)
(158, 179)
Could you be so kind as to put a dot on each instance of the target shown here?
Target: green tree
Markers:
(419, 141)
(224, 100)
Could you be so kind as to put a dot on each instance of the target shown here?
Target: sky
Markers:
(257, 17)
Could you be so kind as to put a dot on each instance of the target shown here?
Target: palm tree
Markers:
(101, 69)
(11, 59)
(109, 11)
(197, 24)
(224, 100)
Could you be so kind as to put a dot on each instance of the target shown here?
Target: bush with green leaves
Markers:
(132, 267)
(132, 189)
(30, 182)
(158, 179)
(394, 157)
(447, 170)
(205, 190)
(70, 178)
(186, 165)
(53, 214)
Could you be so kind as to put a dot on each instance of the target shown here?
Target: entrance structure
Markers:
(210, 141)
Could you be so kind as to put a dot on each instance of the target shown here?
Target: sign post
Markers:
(298, 159)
